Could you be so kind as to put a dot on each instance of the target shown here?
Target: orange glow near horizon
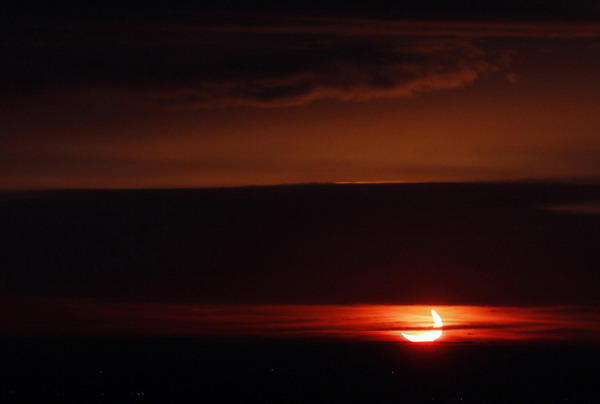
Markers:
(462, 324)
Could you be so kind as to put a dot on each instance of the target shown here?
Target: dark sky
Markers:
(200, 94)
(481, 244)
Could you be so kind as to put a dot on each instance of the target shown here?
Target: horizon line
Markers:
(556, 181)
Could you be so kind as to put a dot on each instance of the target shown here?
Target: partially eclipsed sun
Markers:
(429, 335)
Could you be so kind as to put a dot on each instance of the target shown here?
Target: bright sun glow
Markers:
(429, 335)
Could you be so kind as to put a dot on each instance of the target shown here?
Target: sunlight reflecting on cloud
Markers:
(462, 324)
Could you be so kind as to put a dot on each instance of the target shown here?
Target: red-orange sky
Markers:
(461, 324)
(226, 96)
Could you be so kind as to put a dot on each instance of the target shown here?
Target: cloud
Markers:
(342, 71)
(261, 63)
(577, 208)
(218, 60)
(364, 27)
(52, 316)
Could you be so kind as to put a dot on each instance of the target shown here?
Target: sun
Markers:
(427, 336)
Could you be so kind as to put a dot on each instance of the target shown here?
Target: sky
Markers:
(500, 98)
(177, 94)
(500, 262)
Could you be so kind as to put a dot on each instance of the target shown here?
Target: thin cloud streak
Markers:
(592, 208)
(338, 27)
(483, 324)
(366, 27)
